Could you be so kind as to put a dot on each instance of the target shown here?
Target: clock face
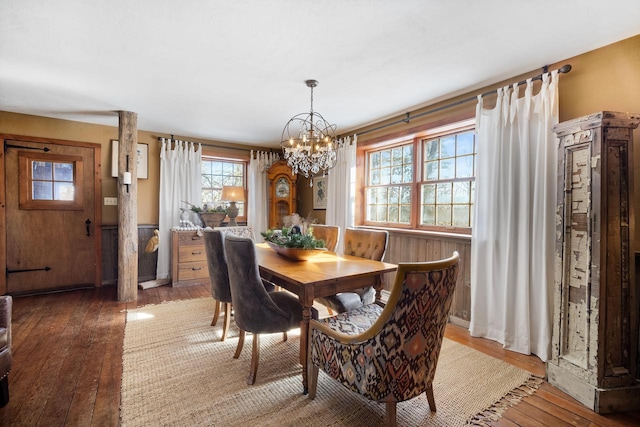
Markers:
(282, 188)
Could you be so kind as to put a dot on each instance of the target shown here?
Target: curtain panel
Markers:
(258, 194)
(341, 200)
(512, 246)
(180, 181)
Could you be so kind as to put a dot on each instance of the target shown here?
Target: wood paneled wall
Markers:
(146, 261)
(412, 247)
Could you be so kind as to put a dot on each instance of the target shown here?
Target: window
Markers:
(449, 177)
(219, 172)
(50, 181)
(390, 183)
(426, 182)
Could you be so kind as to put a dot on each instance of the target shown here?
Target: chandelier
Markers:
(308, 142)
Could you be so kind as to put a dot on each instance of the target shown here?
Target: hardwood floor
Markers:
(67, 364)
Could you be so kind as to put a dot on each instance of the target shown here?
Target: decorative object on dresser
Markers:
(595, 327)
(232, 195)
(408, 332)
(282, 193)
(188, 258)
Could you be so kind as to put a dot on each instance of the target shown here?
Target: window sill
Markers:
(421, 233)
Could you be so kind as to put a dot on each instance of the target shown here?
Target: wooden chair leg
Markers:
(216, 312)
(255, 357)
(4, 391)
(430, 399)
(391, 414)
(227, 320)
(312, 379)
(240, 344)
(329, 311)
(284, 336)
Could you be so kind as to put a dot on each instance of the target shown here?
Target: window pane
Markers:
(381, 213)
(42, 170)
(464, 143)
(396, 156)
(461, 193)
(432, 170)
(385, 176)
(431, 150)
(429, 194)
(393, 213)
(408, 173)
(461, 216)
(444, 193)
(63, 172)
(448, 168)
(429, 215)
(42, 190)
(405, 214)
(464, 167)
(385, 160)
(374, 178)
(407, 153)
(443, 215)
(396, 175)
(375, 160)
(448, 146)
(405, 195)
(63, 190)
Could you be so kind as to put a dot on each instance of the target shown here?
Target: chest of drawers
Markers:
(188, 259)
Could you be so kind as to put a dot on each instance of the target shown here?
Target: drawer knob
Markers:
(196, 268)
(196, 253)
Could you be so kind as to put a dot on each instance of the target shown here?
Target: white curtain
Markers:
(512, 246)
(258, 197)
(341, 184)
(180, 180)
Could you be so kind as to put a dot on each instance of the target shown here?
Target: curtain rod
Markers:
(563, 70)
(160, 138)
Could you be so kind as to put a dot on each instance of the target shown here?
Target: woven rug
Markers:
(176, 372)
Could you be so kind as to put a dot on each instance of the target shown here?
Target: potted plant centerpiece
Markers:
(293, 243)
(210, 217)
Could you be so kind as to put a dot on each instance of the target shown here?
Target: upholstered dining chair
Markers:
(388, 354)
(256, 310)
(329, 233)
(370, 244)
(6, 359)
(219, 278)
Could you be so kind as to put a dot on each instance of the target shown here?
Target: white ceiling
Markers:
(234, 71)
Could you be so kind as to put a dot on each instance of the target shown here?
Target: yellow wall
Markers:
(604, 79)
(148, 189)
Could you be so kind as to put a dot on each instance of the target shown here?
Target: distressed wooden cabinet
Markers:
(595, 330)
(188, 259)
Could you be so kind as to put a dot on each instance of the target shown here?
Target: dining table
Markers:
(324, 274)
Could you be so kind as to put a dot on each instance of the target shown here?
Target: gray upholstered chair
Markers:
(256, 310)
(329, 233)
(388, 354)
(370, 244)
(6, 360)
(219, 278)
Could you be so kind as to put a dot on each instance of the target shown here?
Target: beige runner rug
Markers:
(176, 372)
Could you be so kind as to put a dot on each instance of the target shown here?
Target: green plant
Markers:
(290, 237)
(205, 208)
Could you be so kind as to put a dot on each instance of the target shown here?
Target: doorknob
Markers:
(88, 223)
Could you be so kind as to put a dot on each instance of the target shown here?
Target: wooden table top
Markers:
(325, 267)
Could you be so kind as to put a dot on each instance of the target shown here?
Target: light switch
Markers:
(110, 201)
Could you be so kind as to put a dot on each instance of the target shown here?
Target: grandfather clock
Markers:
(595, 328)
(282, 193)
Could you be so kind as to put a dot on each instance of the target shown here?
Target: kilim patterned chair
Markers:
(388, 354)
(370, 244)
(328, 233)
(219, 277)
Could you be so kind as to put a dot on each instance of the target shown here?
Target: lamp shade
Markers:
(232, 194)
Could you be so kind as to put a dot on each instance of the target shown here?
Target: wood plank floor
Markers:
(67, 350)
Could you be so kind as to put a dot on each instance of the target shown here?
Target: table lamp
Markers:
(232, 195)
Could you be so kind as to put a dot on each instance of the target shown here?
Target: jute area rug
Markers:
(176, 372)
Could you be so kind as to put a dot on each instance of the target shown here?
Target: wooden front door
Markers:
(52, 220)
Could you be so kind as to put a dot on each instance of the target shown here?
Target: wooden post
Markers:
(127, 207)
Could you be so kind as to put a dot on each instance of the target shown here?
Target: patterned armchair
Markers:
(388, 354)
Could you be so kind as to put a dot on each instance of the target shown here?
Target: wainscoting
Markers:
(146, 261)
(415, 247)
